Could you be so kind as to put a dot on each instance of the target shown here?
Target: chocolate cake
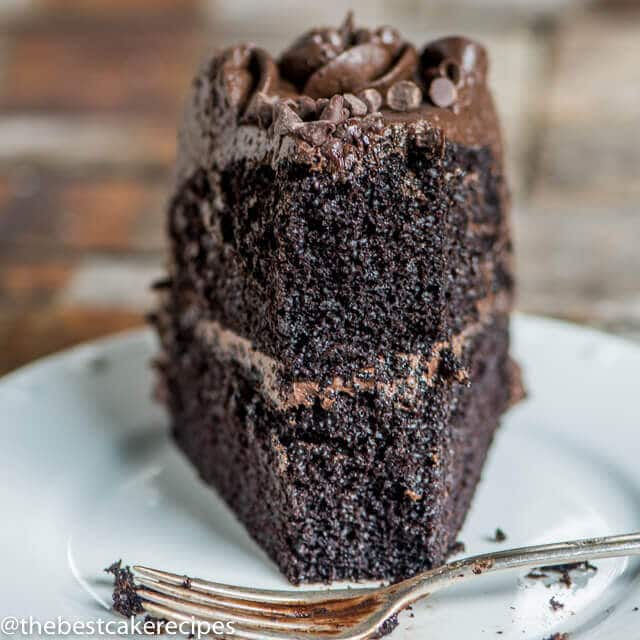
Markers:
(335, 323)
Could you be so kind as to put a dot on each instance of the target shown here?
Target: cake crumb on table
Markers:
(498, 536)
(563, 570)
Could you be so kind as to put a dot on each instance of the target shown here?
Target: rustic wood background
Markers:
(90, 97)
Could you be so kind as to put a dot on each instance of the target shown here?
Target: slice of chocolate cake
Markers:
(335, 322)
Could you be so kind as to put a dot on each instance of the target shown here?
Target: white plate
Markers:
(88, 475)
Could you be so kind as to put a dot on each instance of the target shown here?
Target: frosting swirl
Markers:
(329, 61)
(460, 61)
(246, 71)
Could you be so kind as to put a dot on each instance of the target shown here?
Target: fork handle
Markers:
(524, 557)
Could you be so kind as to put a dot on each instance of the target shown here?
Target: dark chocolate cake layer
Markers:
(335, 321)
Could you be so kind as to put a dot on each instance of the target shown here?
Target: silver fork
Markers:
(344, 614)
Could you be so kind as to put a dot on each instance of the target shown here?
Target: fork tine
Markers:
(239, 633)
(256, 595)
(319, 611)
(191, 595)
(224, 614)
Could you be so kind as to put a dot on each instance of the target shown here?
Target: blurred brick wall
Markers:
(90, 97)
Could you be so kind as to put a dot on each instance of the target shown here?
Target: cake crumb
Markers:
(126, 600)
(498, 536)
(564, 571)
(480, 566)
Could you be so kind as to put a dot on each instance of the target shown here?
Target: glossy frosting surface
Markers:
(338, 87)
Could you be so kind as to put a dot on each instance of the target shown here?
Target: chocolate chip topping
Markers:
(356, 64)
(335, 111)
(443, 92)
(404, 96)
(372, 98)
(306, 108)
(286, 120)
(356, 106)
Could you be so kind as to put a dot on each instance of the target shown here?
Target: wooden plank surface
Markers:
(90, 98)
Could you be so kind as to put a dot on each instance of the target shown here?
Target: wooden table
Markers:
(90, 97)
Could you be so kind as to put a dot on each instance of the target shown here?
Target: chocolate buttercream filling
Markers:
(418, 370)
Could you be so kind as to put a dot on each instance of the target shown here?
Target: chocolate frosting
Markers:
(325, 62)
(335, 87)
(246, 71)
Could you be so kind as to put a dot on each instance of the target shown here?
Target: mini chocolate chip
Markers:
(356, 106)
(372, 98)
(404, 96)
(335, 111)
(285, 120)
(306, 107)
(316, 133)
(443, 92)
